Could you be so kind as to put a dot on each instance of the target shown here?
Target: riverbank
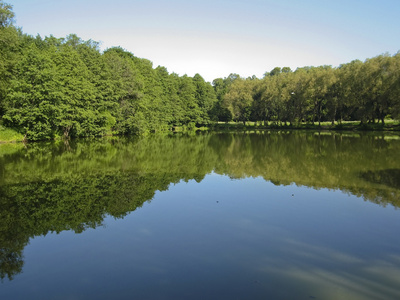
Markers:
(9, 135)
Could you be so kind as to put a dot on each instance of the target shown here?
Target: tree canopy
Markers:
(365, 91)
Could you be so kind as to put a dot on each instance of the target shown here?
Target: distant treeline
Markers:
(52, 87)
(364, 91)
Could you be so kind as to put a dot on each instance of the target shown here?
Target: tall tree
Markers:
(9, 51)
(205, 97)
(239, 99)
(34, 96)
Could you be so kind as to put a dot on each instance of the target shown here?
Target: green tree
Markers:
(394, 90)
(34, 96)
(125, 89)
(219, 111)
(6, 15)
(9, 52)
(205, 97)
(78, 109)
(275, 71)
(380, 75)
(186, 93)
(299, 90)
(322, 80)
(271, 99)
(239, 99)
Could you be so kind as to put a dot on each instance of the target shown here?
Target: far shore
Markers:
(9, 135)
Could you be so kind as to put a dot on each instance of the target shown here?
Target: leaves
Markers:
(363, 91)
(66, 87)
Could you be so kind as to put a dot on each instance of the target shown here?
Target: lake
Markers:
(252, 215)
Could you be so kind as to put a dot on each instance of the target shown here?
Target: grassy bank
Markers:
(9, 135)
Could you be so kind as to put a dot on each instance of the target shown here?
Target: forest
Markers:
(66, 87)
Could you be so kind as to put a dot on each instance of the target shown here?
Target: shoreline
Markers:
(11, 136)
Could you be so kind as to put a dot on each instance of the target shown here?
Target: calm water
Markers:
(278, 215)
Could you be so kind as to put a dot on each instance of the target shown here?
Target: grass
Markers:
(9, 135)
(10, 148)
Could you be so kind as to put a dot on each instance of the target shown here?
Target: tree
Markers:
(126, 90)
(186, 93)
(299, 90)
(205, 97)
(78, 108)
(32, 102)
(239, 99)
(380, 75)
(394, 90)
(6, 15)
(275, 71)
(323, 78)
(219, 111)
(9, 51)
(354, 90)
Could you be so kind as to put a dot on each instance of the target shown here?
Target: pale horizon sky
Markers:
(219, 37)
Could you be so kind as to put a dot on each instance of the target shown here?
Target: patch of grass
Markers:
(10, 148)
(8, 135)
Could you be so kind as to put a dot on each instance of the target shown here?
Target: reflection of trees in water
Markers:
(50, 187)
(388, 177)
(11, 258)
(75, 203)
(331, 161)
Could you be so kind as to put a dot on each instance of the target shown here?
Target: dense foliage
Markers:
(52, 87)
(366, 92)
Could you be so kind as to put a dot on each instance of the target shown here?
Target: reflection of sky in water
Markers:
(224, 239)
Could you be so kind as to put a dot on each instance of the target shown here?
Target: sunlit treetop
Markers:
(6, 14)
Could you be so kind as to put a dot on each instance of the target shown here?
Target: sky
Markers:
(218, 37)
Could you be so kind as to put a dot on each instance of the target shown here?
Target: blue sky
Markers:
(219, 37)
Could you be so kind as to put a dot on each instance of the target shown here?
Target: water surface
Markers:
(268, 215)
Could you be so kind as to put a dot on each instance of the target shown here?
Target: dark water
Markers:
(279, 215)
